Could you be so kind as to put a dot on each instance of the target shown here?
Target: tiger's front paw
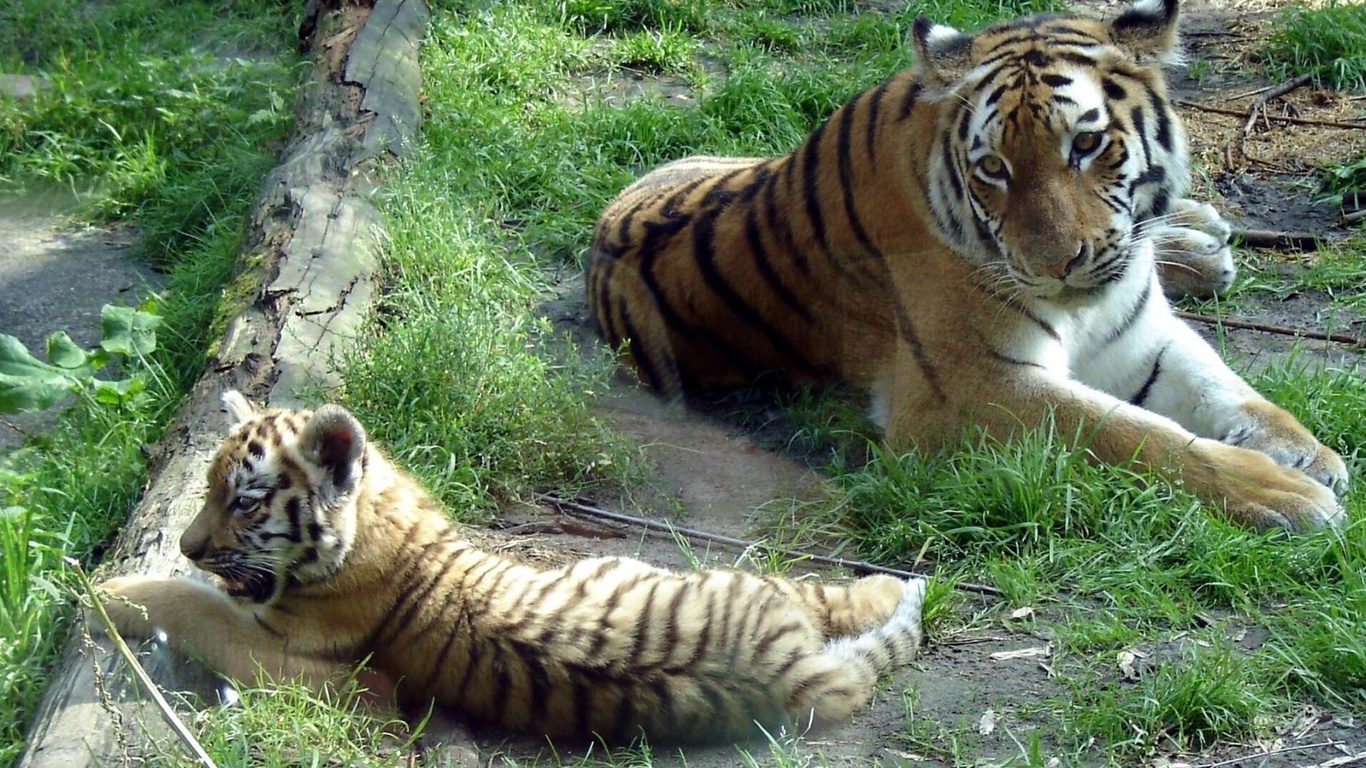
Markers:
(1256, 491)
(124, 600)
(1268, 429)
(1194, 256)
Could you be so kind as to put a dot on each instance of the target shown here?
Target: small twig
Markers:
(1353, 217)
(186, 737)
(577, 509)
(1280, 118)
(1248, 325)
(1258, 107)
(1245, 94)
(1268, 238)
(1270, 752)
(1279, 240)
(1338, 762)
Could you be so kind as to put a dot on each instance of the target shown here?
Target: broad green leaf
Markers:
(118, 392)
(128, 331)
(29, 384)
(63, 352)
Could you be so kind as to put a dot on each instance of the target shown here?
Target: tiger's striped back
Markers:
(714, 272)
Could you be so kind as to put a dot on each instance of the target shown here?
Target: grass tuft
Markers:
(1327, 42)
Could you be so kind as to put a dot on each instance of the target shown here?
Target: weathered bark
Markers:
(306, 268)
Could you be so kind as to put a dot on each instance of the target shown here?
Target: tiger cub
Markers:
(975, 241)
(326, 554)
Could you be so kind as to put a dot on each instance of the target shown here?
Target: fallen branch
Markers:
(1338, 762)
(145, 680)
(1282, 241)
(578, 509)
(1270, 752)
(1281, 118)
(1248, 325)
(1258, 107)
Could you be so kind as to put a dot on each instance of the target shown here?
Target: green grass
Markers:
(1328, 42)
(161, 116)
(1122, 560)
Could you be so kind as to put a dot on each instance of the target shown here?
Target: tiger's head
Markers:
(280, 507)
(1056, 142)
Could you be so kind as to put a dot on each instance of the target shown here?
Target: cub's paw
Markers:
(1194, 257)
(1270, 430)
(123, 599)
(1256, 491)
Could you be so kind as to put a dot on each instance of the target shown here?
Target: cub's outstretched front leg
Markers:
(1194, 254)
(205, 623)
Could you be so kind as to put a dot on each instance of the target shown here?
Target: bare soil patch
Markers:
(55, 275)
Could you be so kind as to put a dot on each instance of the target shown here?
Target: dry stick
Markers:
(576, 509)
(1281, 118)
(1259, 104)
(1338, 762)
(1248, 325)
(1270, 752)
(1281, 241)
(167, 714)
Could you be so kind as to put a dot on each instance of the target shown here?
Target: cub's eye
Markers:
(993, 167)
(241, 504)
(1085, 143)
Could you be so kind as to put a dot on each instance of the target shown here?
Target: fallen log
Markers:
(307, 269)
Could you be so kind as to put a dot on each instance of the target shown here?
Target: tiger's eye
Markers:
(1086, 142)
(992, 166)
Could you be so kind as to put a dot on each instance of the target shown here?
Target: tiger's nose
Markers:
(194, 549)
(1060, 269)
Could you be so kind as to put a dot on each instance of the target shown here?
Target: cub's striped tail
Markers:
(864, 658)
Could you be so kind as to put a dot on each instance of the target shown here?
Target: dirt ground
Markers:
(55, 275)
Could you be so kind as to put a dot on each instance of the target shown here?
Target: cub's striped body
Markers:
(975, 240)
(329, 555)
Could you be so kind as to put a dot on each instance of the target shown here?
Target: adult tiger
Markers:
(974, 240)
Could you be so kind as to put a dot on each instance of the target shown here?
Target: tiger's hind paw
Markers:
(909, 613)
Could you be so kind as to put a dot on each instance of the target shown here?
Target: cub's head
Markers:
(1055, 140)
(280, 508)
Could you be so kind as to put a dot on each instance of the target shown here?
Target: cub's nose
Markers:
(193, 547)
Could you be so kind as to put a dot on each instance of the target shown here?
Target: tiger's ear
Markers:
(237, 408)
(335, 441)
(1148, 31)
(943, 53)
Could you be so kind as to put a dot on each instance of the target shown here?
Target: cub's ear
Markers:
(943, 53)
(237, 408)
(1148, 31)
(334, 440)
